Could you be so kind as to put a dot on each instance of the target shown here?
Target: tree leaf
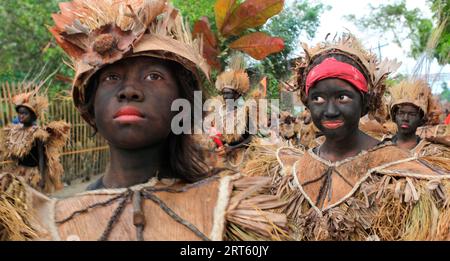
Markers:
(203, 27)
(223, 9)
(258, 45)
(211, 54)
(250, 14)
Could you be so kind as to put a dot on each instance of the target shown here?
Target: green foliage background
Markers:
(26, 45)
(410, 24)
(299, 19)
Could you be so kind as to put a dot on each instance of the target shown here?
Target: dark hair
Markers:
(185, 157)
(185, 161)
(345, 59)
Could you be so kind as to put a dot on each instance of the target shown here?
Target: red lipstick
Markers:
(332, 124)
(128, 114)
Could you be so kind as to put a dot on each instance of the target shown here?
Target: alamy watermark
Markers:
(251, 116)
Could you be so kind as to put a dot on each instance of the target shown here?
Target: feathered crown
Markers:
(418, 93)
(415, 92)
(95, 33)
(29, 96)
(348, 45)
(235, 77)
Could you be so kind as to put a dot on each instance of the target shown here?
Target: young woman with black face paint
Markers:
(413, 106)
(353, 187)
(157, 187)
(132, 111)
(336, 107)
(35, 149)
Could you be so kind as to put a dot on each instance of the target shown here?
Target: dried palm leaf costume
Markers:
(97, 33)
(308, 133)
(381, 126)
(289, 127)
(376, 129)
(435, 140)
(234, 78)
(380, 194)
(20, 143)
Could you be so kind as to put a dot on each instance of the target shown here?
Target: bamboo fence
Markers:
(84, 155)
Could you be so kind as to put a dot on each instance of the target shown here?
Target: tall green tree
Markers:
(298, 20)
(26, 46)
(409, 24)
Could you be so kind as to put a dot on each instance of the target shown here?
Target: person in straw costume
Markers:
(233, 119)
(307, 133)
(354, 187)
(412, 106)
(289, 128)
(34, 149)
(132, 60)
(299, 131)
(381, 126)
(433, 129)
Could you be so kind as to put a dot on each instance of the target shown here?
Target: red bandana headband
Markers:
(332, 68)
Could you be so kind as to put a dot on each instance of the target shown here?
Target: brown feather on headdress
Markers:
(235, 77)
(95, 33)
(102, 31)
(31, 96)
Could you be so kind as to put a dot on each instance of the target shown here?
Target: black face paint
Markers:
(335, 107)
(408, 118)
(133, 101)
(228, 94)
(26, 116)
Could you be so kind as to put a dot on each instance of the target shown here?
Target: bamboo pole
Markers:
(10, 95)
(4, 104)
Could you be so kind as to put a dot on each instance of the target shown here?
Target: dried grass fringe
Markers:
(251, 214)
(384, 208)
(405, 214)
(60, 132)
(14, 212)
(262, 160)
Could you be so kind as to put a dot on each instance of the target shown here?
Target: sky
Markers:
(333, 21)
